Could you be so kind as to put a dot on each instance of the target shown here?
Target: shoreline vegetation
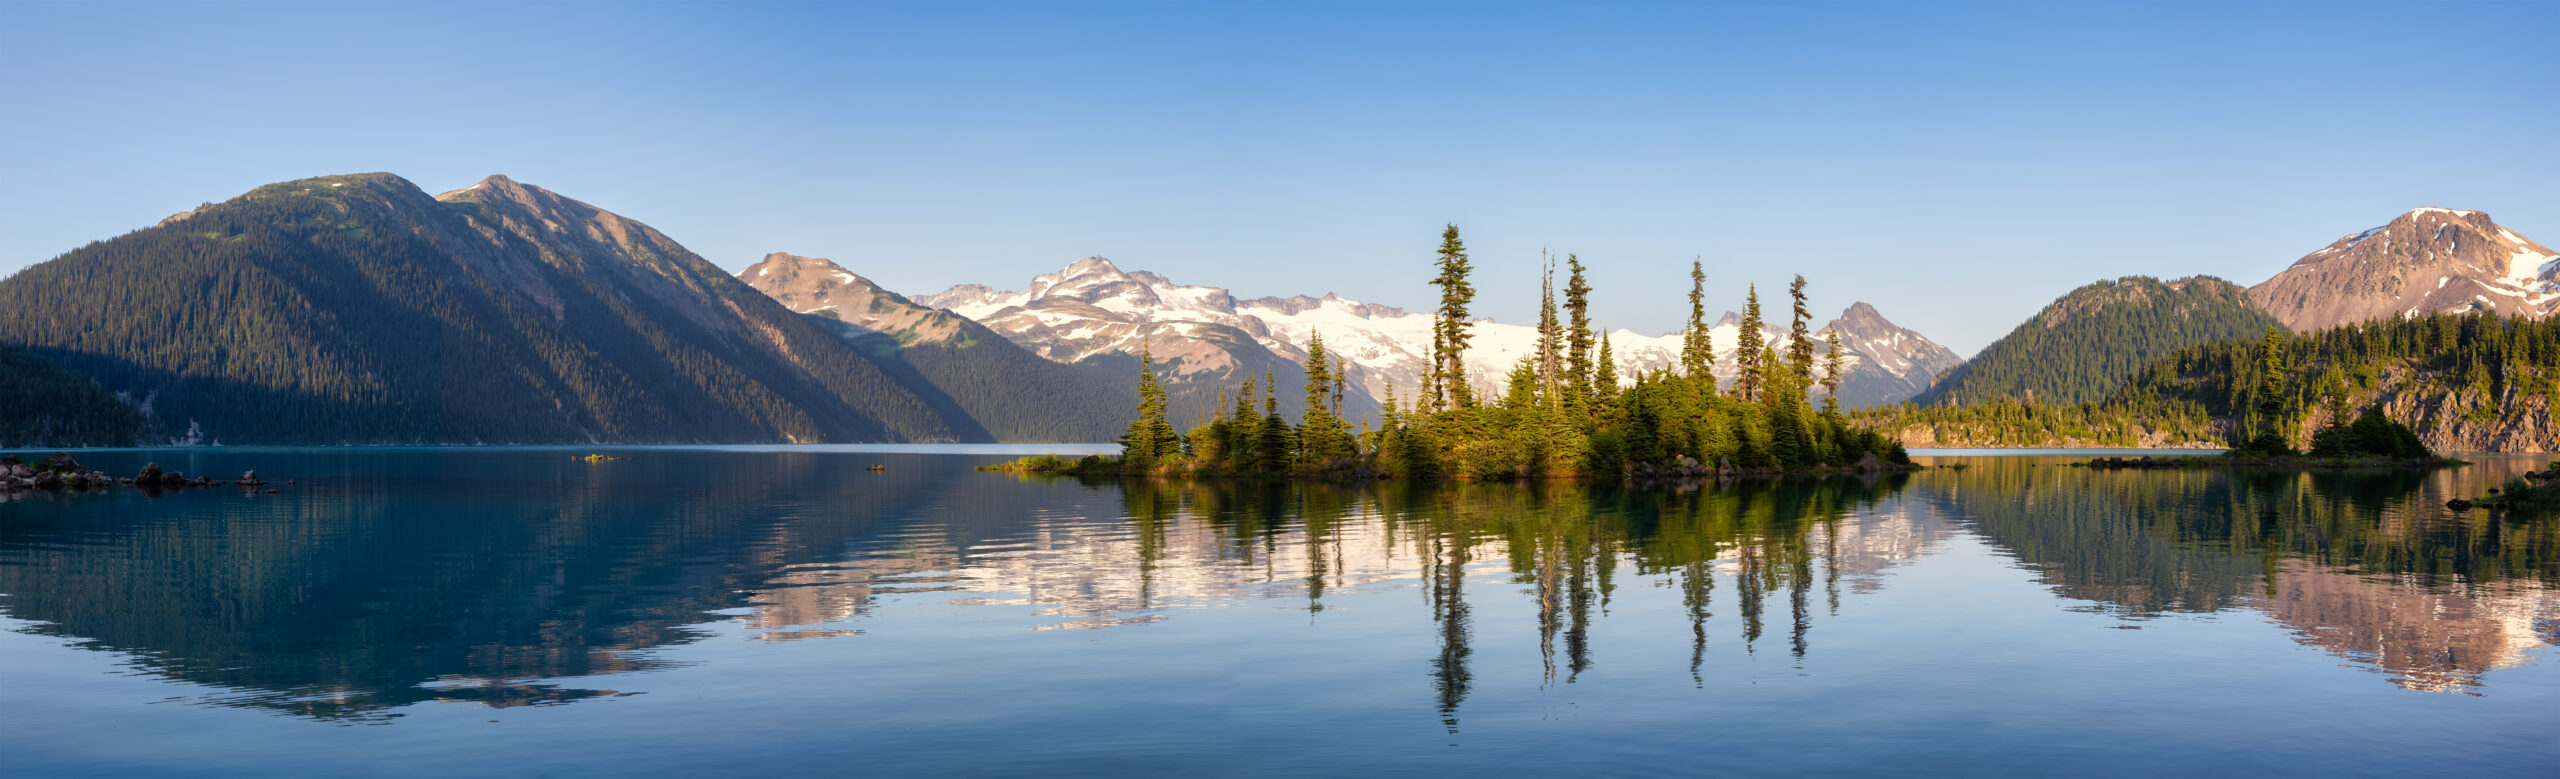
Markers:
(1561, 413)
(2467, 376)
(2535, 493)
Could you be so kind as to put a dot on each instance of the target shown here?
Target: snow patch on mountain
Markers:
(1089, 309)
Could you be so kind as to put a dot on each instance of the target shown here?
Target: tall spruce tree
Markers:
(1800, 336)
(1449, 356)
(1550, 335)
(1604, 377)
(1150, 438)
(1831, 366)
(1320, 433)
(1748, 365)
(1697, 346)
(1271, 445)
(1577, 306)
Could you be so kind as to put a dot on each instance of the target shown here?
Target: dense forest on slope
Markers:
(43, 405)
(357, 309)
(2086, 343)
(2465, 382)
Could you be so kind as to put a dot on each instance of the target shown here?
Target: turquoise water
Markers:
(784, 610)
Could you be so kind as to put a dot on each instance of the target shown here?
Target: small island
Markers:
(1562, 412)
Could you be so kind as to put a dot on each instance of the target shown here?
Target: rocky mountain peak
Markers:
(2426, 259)
(821, 287)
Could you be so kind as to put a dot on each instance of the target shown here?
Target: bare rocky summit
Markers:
(2429, 259)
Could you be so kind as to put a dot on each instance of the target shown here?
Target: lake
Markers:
(517, 611)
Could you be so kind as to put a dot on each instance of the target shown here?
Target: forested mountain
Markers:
(43, 405)
(1014, 394)
(2086, 343)
(357, 309)
(2426, 260)
(2473, 382)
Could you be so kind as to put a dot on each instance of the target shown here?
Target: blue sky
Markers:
(1958, 165)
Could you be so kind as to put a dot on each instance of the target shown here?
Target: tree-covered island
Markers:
(1561, 413)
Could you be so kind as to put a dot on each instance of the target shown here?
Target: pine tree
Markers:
(1831, 373)
(1320, 433)
(1697, 346)
(1577, 305)
(1150, 438)
(1800, 336)
(1604, 378)
(1271, 444)
(1450, 347)
(1550, 336)
(1747, 360)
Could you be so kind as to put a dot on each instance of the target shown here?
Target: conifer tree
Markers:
(1831, 372)
(1604, 379)
(1800, 336)
(1320, 432)
(1450, 344)
(1577, 305)
(1150, 437)
(1697, 347)
(1747, 360)
(1271, 444)
(1550, 335)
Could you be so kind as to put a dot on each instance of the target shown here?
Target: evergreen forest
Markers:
(2283, 390)
(1560, 413)
(2086, 343)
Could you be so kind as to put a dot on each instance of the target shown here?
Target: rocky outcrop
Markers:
(61, 472)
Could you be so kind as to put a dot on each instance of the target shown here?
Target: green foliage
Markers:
(1449, 331)
(2256, 392)
(2087, 343)
(43, 405)
(1150, 437)
(1542, 425)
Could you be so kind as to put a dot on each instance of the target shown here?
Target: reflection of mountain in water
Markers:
(520, 573)
(2363, 566)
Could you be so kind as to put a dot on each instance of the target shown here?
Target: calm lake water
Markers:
(783, 610)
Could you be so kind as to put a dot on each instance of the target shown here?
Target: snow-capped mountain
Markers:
(2429, 259)
(1092, 308)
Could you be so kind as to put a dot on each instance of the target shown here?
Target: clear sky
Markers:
(1958, 165)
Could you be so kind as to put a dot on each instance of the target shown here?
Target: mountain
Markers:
(43, 405)
(1015, 394)
(358, 309)
(2467, 382)
(1096, 317)
(2088, 342)
(1092, 309)
(2429, 259)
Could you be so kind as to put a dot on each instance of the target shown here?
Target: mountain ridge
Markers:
(359, 309)
(2427, 259)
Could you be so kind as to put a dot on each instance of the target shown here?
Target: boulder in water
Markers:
(150, 475)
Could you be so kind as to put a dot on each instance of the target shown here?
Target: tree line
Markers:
(1562, 411)
(2288, 391)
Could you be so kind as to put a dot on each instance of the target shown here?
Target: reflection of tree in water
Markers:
(347, 609)
(1566, 542)
(2362, 565)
